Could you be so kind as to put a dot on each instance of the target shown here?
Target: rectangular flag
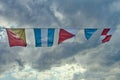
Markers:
(45, 37)
(16, 37)
(106, 35)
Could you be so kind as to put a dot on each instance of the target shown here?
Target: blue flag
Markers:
(89, 33)
(44, 37)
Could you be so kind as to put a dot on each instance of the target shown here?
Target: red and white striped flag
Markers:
(106, 35)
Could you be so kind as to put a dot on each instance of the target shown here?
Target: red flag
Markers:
(64, 35)
(16, 37)
(106, 35)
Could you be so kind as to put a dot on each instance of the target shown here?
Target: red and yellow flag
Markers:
(16, 37)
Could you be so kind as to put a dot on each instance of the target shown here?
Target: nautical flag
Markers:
(45, 37)
(65, 34)
(16, 37)
(106, 35)
(89, 32)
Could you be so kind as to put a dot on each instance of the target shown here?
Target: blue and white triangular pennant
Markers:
(89, 32)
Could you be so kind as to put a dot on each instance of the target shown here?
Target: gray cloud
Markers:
(76, 13)
(98, 59)
(9, 58)
(32, 13)
(101, 61)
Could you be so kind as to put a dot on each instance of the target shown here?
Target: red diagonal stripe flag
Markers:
(106, 35)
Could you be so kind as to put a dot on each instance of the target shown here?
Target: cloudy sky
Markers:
(86, 60)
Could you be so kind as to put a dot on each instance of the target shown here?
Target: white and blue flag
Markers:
(46, 37)
(89, 32)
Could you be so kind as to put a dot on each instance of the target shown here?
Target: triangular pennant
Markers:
(64, 35)
(89, 33)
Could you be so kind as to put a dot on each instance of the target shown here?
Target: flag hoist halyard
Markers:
(48, 37)
(16, 37)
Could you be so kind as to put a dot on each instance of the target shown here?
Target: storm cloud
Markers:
(101, 60)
